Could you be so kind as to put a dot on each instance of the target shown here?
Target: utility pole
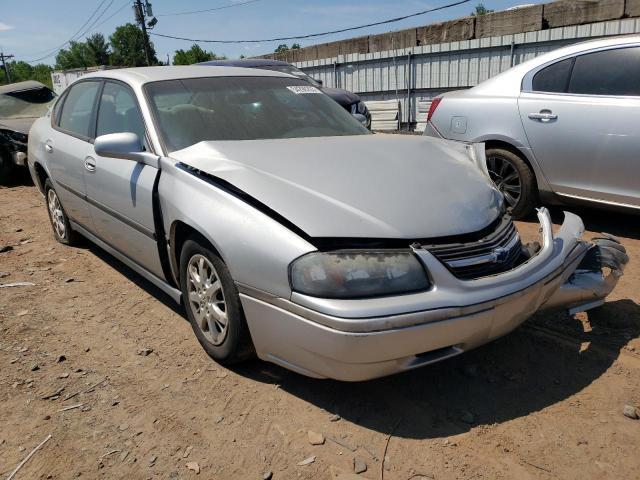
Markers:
(4, 59)
(141, 13)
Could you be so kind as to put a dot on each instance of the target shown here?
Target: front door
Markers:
(119, 191)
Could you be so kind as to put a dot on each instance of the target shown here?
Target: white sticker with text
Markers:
(300, 89)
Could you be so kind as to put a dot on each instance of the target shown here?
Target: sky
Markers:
(31, 29)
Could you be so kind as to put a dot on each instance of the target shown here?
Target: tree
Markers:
(283, 47)
(480, 10)
(295, 46)
(77, 55)
(21, 71)
(194, 55)
(127, 45)
(98, 48)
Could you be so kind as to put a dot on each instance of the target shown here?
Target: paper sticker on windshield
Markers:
(300, 89)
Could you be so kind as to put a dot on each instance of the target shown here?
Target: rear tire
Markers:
(59, 221)
(212, 303)
(515, 180)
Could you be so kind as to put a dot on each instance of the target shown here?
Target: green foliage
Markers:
(98, 48)
(76, 56)
(283, 47)
(194, 55)
(127, 45)
(95, 51)
(480, 10)
(21, 71)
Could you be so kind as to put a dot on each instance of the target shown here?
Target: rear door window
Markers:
(77, 111)
(609, 72)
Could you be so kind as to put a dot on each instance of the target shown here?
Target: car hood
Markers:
(343, 97)
(21, 125)
(364, 186)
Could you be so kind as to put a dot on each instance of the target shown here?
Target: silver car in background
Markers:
(561, 128)
(288, 230)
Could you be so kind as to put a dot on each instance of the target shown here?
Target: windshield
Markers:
(26, 104)
(244, 108)
(291, 70)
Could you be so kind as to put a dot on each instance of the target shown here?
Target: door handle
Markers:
(48, 146)
(543, 116)
(90, 164)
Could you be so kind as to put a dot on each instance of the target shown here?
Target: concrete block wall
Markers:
(521, 20)
(528, 19)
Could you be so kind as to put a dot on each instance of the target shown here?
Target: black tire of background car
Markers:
(529, 190)
(70, 237)
(6, 168)
(237, 345)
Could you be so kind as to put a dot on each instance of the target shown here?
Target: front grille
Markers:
(496, 252)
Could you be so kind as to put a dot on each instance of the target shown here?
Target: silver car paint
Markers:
(590, 152)
(316, 183)
(348, 340)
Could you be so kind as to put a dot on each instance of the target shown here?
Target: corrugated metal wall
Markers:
(420, 73)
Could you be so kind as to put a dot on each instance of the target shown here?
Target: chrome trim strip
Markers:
(597, 200)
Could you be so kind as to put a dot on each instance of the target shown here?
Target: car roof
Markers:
(21, 86)
(509, 81)
(141, 75)
(245, 63)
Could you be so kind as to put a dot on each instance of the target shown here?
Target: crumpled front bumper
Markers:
(361, 339)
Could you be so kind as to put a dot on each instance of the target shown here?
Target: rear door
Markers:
(582, 119)
(67, 145)
(120, 191)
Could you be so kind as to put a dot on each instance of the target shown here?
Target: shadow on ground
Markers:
(538, 365)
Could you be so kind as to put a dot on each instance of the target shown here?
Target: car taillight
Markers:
(432, 109)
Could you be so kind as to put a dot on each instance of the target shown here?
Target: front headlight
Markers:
(358, 274)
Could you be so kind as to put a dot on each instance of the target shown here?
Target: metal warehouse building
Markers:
(412, 66)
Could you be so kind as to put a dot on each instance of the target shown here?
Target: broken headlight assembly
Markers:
(358, 274)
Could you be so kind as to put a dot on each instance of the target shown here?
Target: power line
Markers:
(239, 4)
(80, 33)
(311, 35)
(77, 32)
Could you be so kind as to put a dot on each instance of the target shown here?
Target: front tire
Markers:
(515, 180)
(212, 303)
(57, 216)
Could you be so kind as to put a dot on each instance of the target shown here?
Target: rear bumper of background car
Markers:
(363, 339)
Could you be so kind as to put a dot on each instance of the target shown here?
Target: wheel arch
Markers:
(524, 153)
(179, 232)
(41, 176)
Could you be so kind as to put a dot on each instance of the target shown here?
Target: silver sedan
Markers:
(288, 230)
(561, 128)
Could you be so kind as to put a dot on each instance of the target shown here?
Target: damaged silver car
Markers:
(20, 104)
(290, 232)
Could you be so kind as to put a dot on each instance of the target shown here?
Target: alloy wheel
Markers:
(56, 212)
(206, 299)
(506, 178)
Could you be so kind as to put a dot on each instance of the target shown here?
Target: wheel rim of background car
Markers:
(206, 299)
(57, 216)
(506, 177)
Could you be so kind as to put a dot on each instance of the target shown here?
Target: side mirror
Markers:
(318, 80)
(125, 145)
(361, 118)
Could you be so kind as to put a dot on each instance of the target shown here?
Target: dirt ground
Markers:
(544, 402)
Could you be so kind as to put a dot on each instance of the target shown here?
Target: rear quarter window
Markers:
(554, 78)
